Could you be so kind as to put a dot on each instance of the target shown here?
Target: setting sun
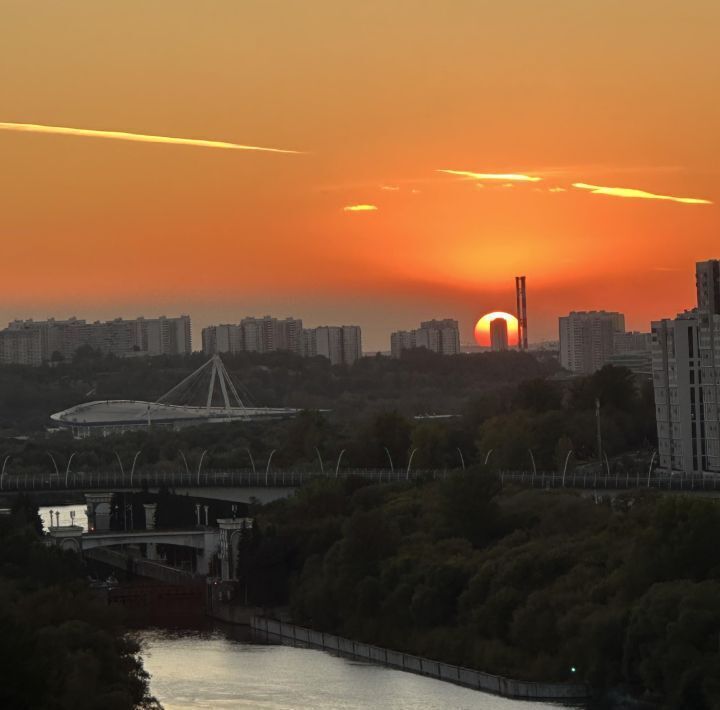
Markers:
(482, 327)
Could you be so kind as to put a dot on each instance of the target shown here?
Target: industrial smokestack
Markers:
(521, 312)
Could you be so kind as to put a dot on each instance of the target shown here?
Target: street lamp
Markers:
(567, 458)
(200, 463)
(52, 458)
(252, 460)
(67, 470)
(187, 468)
(462, 458)
(322, 468)
(412, 454)
(337, 465)
(387, 451)
(487, 457)
(532, 459)
(652, 461)
(132, 469)
(2, 474)
(267, 468)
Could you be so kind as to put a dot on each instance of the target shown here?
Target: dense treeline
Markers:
(59, 648)
(422, 381)
(528, 584)
(542, 415)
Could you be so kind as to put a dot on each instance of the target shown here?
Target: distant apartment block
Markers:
(30, 342)
(260, 335)
(498, 335)
(438, 336)
(587, 339)
(686, 380)
(340, 344)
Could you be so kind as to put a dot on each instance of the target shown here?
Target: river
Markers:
(193, 670)
(199, 670)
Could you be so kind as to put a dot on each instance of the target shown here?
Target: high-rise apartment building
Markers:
(438, 336)
(340, 344)
(686, 380)
(31, 342)
(498, 335)
(587, 339)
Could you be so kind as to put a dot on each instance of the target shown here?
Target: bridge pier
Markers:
(230, 531)
(150, 510)
(67, 537)
(98, 511)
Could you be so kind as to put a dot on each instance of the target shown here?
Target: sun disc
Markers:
(482, 327)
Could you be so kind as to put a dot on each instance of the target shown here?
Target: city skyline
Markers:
(469, 147)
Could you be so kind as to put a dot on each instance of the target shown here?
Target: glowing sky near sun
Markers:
(149, 167)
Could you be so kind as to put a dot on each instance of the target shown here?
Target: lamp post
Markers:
(652, 461)
(200, 463)
(122, 470)
(322, 468)
(462, 458)
(567, 458)
(599, 433)
(412, 454)
(532, 460)
(252, 460)
(132, 468)
(67, 470)
(487, 457)
(267, 468)
(2, 473)
(52, 458)
(387, 451)
(187, 468)
(337, 465)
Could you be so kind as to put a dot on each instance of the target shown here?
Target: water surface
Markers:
(208, 670)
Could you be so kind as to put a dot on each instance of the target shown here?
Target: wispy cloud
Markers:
(390, 188)
(505, 177)
(641, 194)
(360, 208)
(557, 189)
(137, 137)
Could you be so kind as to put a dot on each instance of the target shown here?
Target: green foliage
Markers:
(59, 647)
(522, 583)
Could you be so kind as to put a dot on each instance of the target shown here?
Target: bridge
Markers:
(207, 541)
(242, 485)
(230, 485)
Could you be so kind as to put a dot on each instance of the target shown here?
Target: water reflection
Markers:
(65, 518)
(194, 669)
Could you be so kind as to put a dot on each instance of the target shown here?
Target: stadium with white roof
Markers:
(106, 417)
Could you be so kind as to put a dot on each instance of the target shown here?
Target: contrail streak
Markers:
(137, 137)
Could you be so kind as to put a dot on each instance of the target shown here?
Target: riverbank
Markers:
(498, 685)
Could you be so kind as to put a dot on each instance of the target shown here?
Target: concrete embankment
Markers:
(506, 687)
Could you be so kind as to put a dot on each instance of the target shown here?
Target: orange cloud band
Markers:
(641, 194)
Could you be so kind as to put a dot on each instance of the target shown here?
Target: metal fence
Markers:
(246, 478)
(116, 480)
(617, 481)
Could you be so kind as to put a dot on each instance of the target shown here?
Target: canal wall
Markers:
(498, 685)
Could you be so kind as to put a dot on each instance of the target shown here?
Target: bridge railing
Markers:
(292, 478)
(613, 481)
(116, 480)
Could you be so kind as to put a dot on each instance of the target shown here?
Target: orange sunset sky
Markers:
(379, 96)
